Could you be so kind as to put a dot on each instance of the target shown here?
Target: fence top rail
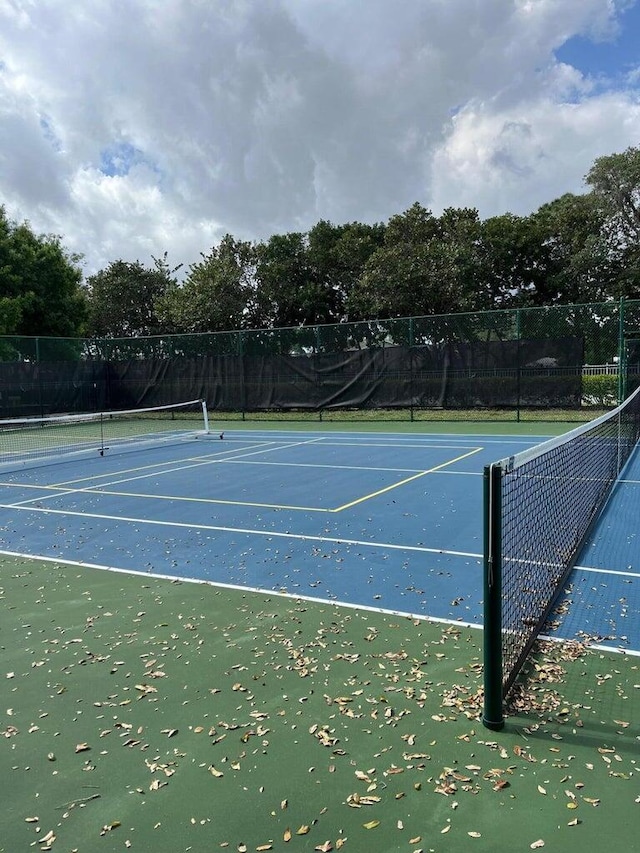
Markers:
(597, 309)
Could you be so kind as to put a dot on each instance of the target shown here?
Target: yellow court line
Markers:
(407, 480)
(60, 490)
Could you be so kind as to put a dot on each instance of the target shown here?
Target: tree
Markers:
(285, 280)
(40, 284)
(306, 279)
(615, 180)
(515, 262)
(579, 267)
(427, 265)
(123, 299)
(219, 293)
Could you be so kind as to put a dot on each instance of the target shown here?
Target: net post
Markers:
(493, 714)
(205, 415)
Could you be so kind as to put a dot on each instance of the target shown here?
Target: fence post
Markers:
(518, 364)
(39, 369)
(411, 376)
(318, 377)
(622, 361)
(243, 384)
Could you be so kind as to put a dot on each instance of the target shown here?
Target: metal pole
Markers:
(493, 712)
(205, 415)
(621, 354)
(518, 365)
(411, 371)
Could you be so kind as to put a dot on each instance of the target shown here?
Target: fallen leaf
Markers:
(536, 844)
(371, 824)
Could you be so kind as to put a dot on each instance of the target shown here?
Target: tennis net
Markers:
(540, 506)
(34, 440)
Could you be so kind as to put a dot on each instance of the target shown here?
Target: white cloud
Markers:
(131, 127)
(518, 159)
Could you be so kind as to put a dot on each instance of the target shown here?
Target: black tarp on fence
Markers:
(544, 373)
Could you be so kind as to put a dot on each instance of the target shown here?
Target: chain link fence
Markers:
(530, 363)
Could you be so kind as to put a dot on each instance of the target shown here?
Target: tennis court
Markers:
(382, 520)
(145, 714)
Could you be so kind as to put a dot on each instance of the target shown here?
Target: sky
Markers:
(132, 128)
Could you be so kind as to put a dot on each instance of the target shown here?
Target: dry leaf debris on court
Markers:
(143, 714)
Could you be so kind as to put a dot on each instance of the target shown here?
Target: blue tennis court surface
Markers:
(381, 520)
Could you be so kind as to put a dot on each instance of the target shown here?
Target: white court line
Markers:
(625, 574)
(168, 464)
(401, 439)
(171, 470)
(99, 486)
(297, 536)
(402, 446)
(281, 593)
(275, 534)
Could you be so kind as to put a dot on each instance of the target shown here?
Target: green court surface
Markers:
(148, 715)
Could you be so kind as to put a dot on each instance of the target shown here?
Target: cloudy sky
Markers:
(135, 127)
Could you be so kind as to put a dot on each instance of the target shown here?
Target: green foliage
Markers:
(219, 293)
(40, 284)
(600, 390)
(427, 265)
(575, 249)
(615, 180)
(123, 299)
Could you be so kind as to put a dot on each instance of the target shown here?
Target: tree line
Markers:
(577, 248)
